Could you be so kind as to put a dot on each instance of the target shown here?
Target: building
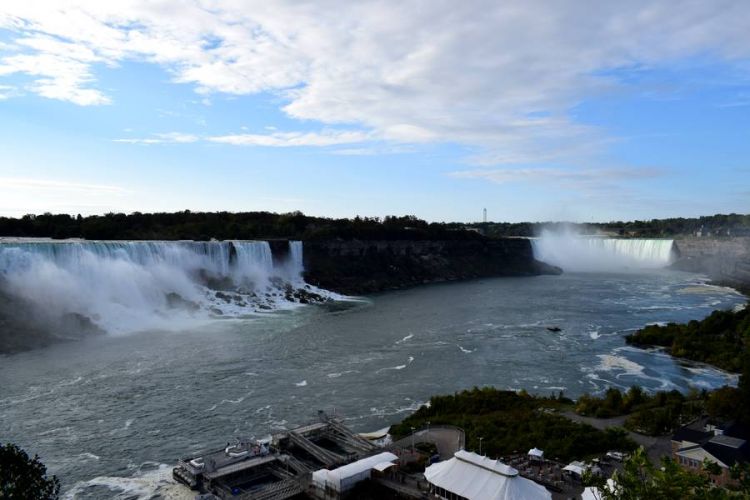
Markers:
(468, 476)
(722, 444)
(332, 483)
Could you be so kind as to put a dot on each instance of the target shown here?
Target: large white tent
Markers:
(480, 478)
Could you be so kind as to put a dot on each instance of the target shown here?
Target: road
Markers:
(656, 447)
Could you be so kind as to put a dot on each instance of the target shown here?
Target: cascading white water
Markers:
(295, 260)
(580, 253)
(129, 285)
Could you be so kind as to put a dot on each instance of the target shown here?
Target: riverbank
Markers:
(719, 340)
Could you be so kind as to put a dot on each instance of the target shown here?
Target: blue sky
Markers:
(536, 111)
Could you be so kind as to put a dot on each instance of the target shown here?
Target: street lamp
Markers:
(412, 440)
(480, 445)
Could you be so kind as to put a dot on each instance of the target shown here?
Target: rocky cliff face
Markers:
(725, 260)
(360, 267)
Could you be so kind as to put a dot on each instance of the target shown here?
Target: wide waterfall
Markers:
(581, 254)
(121, 286)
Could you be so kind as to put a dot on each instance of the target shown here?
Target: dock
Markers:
(278, 468)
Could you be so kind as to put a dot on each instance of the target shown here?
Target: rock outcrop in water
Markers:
(724, 260)
(23, 326)
(361, 267)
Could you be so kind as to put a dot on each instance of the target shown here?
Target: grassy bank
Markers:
(512, 422)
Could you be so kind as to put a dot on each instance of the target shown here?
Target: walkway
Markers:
(656, 447)
(447, 439)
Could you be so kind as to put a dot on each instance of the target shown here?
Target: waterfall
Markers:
(132, 285)
(580, 254)
(295, 259)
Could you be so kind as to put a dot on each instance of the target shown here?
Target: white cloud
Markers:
(580, 179)
(8, 91)
(501, 78)
(29, 185)
(165, 138)
(22, 195)
(294, 139)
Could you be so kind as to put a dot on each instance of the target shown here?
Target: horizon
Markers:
(380, 218)
(585, 112)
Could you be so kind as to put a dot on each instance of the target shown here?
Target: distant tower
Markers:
(485, 215)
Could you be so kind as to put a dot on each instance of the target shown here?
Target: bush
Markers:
(22, 477)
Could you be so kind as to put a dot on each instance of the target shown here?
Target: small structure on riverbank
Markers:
(474, 477)
(332, 483)
(535, 454)
(723, 444)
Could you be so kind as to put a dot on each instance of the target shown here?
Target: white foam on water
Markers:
(610, 362)
(126, 286)
(465, 351)
(408, 337)
(339, 374)
(398, 367)
(594, 335)
(142, 486)
(301, 384)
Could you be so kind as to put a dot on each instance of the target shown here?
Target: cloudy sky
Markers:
(537, 110)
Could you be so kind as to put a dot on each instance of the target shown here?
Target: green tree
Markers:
(22, 477)
(640, 479)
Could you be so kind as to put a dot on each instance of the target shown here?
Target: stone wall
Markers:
(360, 267)
(725, 260)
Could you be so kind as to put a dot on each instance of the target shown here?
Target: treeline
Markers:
(712, 225)
(662, 412)
(204, 226)
(514, 422)
(720, 339)
(267, 225)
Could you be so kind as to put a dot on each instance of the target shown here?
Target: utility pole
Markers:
(412, 440)
(480, 445)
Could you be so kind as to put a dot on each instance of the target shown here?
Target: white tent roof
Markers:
(591, 493)
(576, 467)
(480, 478)
(335, 476)
(382, 466)
(360, 466)
(536, 452)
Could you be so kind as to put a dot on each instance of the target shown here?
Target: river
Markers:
(108, 412)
